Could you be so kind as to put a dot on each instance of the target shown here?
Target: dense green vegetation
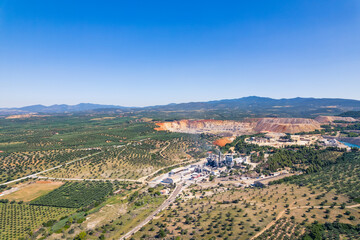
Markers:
(355, 126)
(343, 127)
(286, 228)
(343, 177)
(307, 159)
(18, 220)
(304, 158)
(75, 195)
(241, 146)
(354, 114)
(325, 231)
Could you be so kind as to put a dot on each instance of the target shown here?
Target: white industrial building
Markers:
(172, 179)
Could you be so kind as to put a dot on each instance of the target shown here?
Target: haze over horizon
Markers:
(169, 103)
(142, 54)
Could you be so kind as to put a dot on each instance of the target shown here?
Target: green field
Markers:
(20, 220)
(75, 195)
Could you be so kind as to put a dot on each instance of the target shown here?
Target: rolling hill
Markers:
(221, 109)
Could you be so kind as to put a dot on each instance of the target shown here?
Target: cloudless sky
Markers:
(140, 53)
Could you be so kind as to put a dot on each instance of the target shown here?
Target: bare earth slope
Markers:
(236, 128)
(286, 125)
(224, 127)
(329, 119)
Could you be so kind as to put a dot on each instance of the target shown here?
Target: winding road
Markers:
(164, 205)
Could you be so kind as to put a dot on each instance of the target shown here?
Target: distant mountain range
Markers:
(263, 102)
(58, 108)
(247, 105)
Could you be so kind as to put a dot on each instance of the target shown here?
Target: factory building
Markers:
(220, 160)
(172, 179)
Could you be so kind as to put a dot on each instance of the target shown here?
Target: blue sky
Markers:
(139, 53)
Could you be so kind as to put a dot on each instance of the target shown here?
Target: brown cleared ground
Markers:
(31, 191)
(223, 141)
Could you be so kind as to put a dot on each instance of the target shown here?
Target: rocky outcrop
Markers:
(237, 128)
(208, 126)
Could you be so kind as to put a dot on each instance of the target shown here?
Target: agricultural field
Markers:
(288, 228)
(132, 161)
(18, 220)
(18, 164)
(57, 132)
(225, 211)
(31, 190)
(112, 218)
(127, 151)
(115, 147)
(75, 132)
(340, 178)
(338, 216)
(130, 147)
(75, 195)
(284, 228)
(74, 207)
(283, 210)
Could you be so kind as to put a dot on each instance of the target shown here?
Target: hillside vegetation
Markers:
(343, 177)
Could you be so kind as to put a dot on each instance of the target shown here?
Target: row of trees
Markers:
(343, 177)
(19, 220)
(18, 164)
(75, 195)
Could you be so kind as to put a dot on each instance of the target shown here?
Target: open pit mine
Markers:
(229, 128)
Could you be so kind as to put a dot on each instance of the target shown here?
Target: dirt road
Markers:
(47, 170)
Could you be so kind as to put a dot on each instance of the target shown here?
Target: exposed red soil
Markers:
(222, 141)
(162, 127)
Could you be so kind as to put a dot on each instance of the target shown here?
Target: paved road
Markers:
(153, 173)
(47, 170)
(164, 205)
